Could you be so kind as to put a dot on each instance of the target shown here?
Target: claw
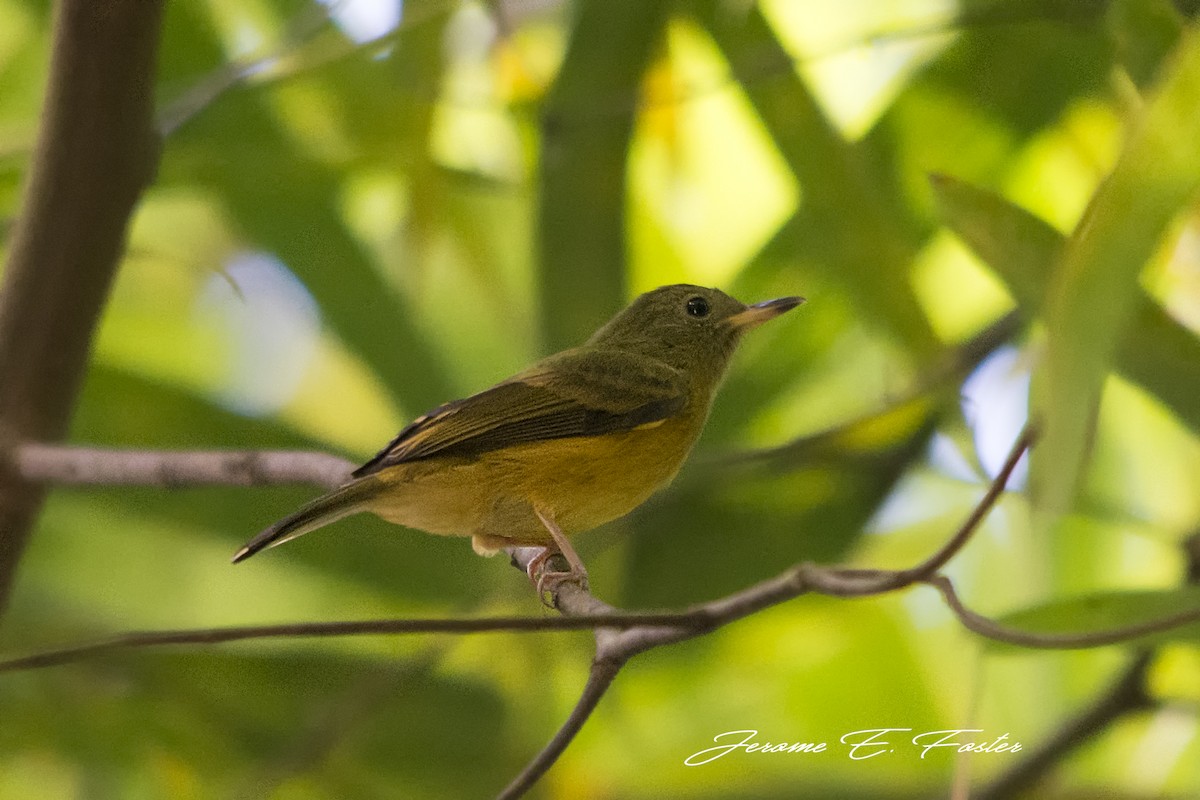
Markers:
(547, 580)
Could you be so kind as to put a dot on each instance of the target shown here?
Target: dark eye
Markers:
(697, 307)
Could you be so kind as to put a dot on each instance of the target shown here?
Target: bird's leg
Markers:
(546, 581)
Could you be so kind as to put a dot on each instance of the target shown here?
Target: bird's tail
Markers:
(341, 502)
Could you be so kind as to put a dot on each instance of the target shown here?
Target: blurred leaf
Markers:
(167, 417)
(840, 191)
(397, 178)
(1163, 356)
(1145, 32)
(1022, 61)
(185, 58)
(1012, 71)
(1020, 247)
(726, 526)
(1092, 295)
(773, 360)
(1156, 351)
(587, 126)
(234, 724)
(1104, 611)
(284, 198)
(997, 12)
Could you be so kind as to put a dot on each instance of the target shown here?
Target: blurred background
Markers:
(368, 207)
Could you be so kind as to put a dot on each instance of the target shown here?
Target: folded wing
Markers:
(580, 392)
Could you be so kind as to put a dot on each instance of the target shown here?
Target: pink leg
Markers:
(548, 580)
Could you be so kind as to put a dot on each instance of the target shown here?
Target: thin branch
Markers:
(990, 629)
(374, 627)
(1126, 694)
(963, 535)
(950, 366)
(630, 633)
(600, 678)
(96, 150)
(302, 28)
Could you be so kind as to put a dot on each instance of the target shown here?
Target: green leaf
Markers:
(1093, 294)
(239, 724)
(1019, 62)
(586, 131)
(1145, 31)
(1104, 611)
(283, 197)
(1021, 248)
(1156, 351)
(844, 196)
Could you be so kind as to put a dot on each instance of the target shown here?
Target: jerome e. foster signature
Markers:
(861, 745)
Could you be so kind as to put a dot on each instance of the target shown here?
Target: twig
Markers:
(623, 634)
(600, 677)
(304, 26)
(956, 542)
(637, 632)
(1127, 693)
(453, 625)
(990, 629)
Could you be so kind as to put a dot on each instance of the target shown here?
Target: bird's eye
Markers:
(697, 307)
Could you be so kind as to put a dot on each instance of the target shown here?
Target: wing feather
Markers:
(576, 393)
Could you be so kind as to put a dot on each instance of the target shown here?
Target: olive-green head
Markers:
(692, 328)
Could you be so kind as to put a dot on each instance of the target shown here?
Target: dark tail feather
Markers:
(341, 502)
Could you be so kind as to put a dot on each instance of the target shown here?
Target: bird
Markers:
(580, 438)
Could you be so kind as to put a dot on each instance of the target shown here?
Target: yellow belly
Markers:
(581, 482)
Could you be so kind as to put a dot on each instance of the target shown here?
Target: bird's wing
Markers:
(580, 392)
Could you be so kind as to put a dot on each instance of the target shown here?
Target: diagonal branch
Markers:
(600, 678)
(1126, 694)
(96, 150)
(622, 634)
(931, 565)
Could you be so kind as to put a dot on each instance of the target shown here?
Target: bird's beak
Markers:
(759, 313)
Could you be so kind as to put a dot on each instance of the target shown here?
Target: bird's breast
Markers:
(587, 481)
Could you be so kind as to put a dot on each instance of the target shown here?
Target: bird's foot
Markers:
(547, 578)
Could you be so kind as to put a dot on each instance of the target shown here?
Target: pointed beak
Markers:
(759, 313)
